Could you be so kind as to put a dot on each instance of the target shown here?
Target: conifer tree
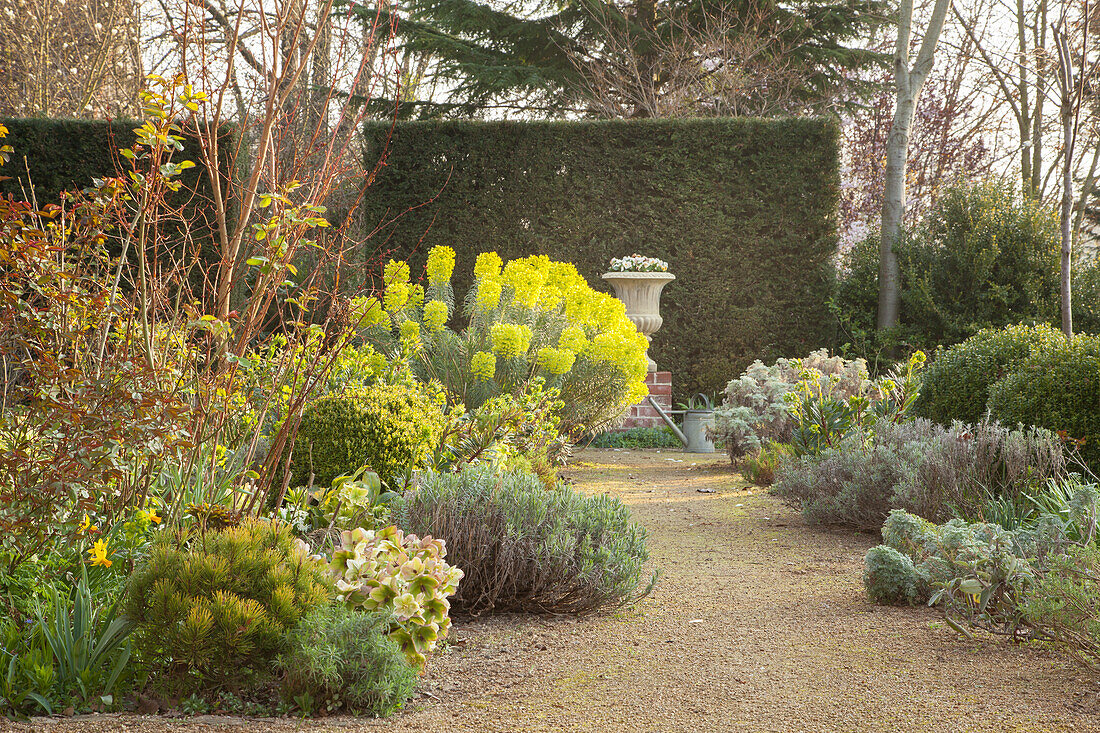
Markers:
(639, 58)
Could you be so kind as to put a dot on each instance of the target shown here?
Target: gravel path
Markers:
(758, 624)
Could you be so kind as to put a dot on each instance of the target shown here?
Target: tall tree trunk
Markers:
(1067, 228)
(1069, 139)
(1023, 87)
(893, 208)
(908, 82)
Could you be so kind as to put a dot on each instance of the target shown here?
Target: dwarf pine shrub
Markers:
(212, 610)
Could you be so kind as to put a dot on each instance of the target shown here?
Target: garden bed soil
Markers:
(759, 623)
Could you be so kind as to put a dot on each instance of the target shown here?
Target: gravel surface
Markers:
(758, 624)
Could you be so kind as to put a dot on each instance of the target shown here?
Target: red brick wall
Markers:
(643, 415)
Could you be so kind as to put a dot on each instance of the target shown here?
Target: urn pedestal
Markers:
(640, 292)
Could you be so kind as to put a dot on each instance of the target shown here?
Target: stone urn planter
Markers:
(641, 293)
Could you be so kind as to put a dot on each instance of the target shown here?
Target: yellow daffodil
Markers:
(98, 553)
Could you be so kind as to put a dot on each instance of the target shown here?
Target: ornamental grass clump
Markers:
(402, 575)
(521, 320)
(525, 548)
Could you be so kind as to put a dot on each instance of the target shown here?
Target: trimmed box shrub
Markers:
(1056, 387)
(743, 210)
(390, 428)
(956, 385)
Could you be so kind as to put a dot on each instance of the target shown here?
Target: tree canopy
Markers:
(643, 58)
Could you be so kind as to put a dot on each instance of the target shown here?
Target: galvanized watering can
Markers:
(698, 418)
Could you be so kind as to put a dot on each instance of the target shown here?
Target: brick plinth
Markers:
(643, 415)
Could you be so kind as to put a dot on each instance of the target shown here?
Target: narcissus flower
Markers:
(98, 554)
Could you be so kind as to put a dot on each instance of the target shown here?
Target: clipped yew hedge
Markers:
(744, 211)
(51, 156)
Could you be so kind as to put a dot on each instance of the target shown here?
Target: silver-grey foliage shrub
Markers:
(919, 466)
(527, 548)
(755, 407)
(889, 576)
(339, 658)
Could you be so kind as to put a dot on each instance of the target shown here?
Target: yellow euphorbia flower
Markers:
(441, 263)
(435, 315)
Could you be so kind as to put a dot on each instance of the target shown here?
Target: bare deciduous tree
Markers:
(723, 62)
(69, 58)
(908, 80)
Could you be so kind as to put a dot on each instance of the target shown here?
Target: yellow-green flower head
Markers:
(369, 313)
(526, 282)
(396, 296)
(578, 304)
(435, 315)
(556, 361)
(376, 363)
(573, 339)
(483, 365)
(487, 265)
(488, 294)
(549, 297)
(604, 347)
(441, 263)
(410, 333)
(395, 272)
(416, 295)
(510, 339)
(637, 392)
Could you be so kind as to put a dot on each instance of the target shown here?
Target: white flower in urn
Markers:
(638, 263)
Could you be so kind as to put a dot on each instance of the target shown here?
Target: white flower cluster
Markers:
(637, 263)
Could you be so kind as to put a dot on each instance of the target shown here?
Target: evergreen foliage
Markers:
(213, 611)
(743, 210)
(985, 257)
(343, 658)
(390, 428)
(537, 57)
(52, 156)
(956, 385)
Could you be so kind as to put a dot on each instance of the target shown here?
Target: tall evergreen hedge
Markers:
(61, 155)
(744, 211)
(66, 154)
(55, 155)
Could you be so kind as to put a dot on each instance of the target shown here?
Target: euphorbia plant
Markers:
(527, 321)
